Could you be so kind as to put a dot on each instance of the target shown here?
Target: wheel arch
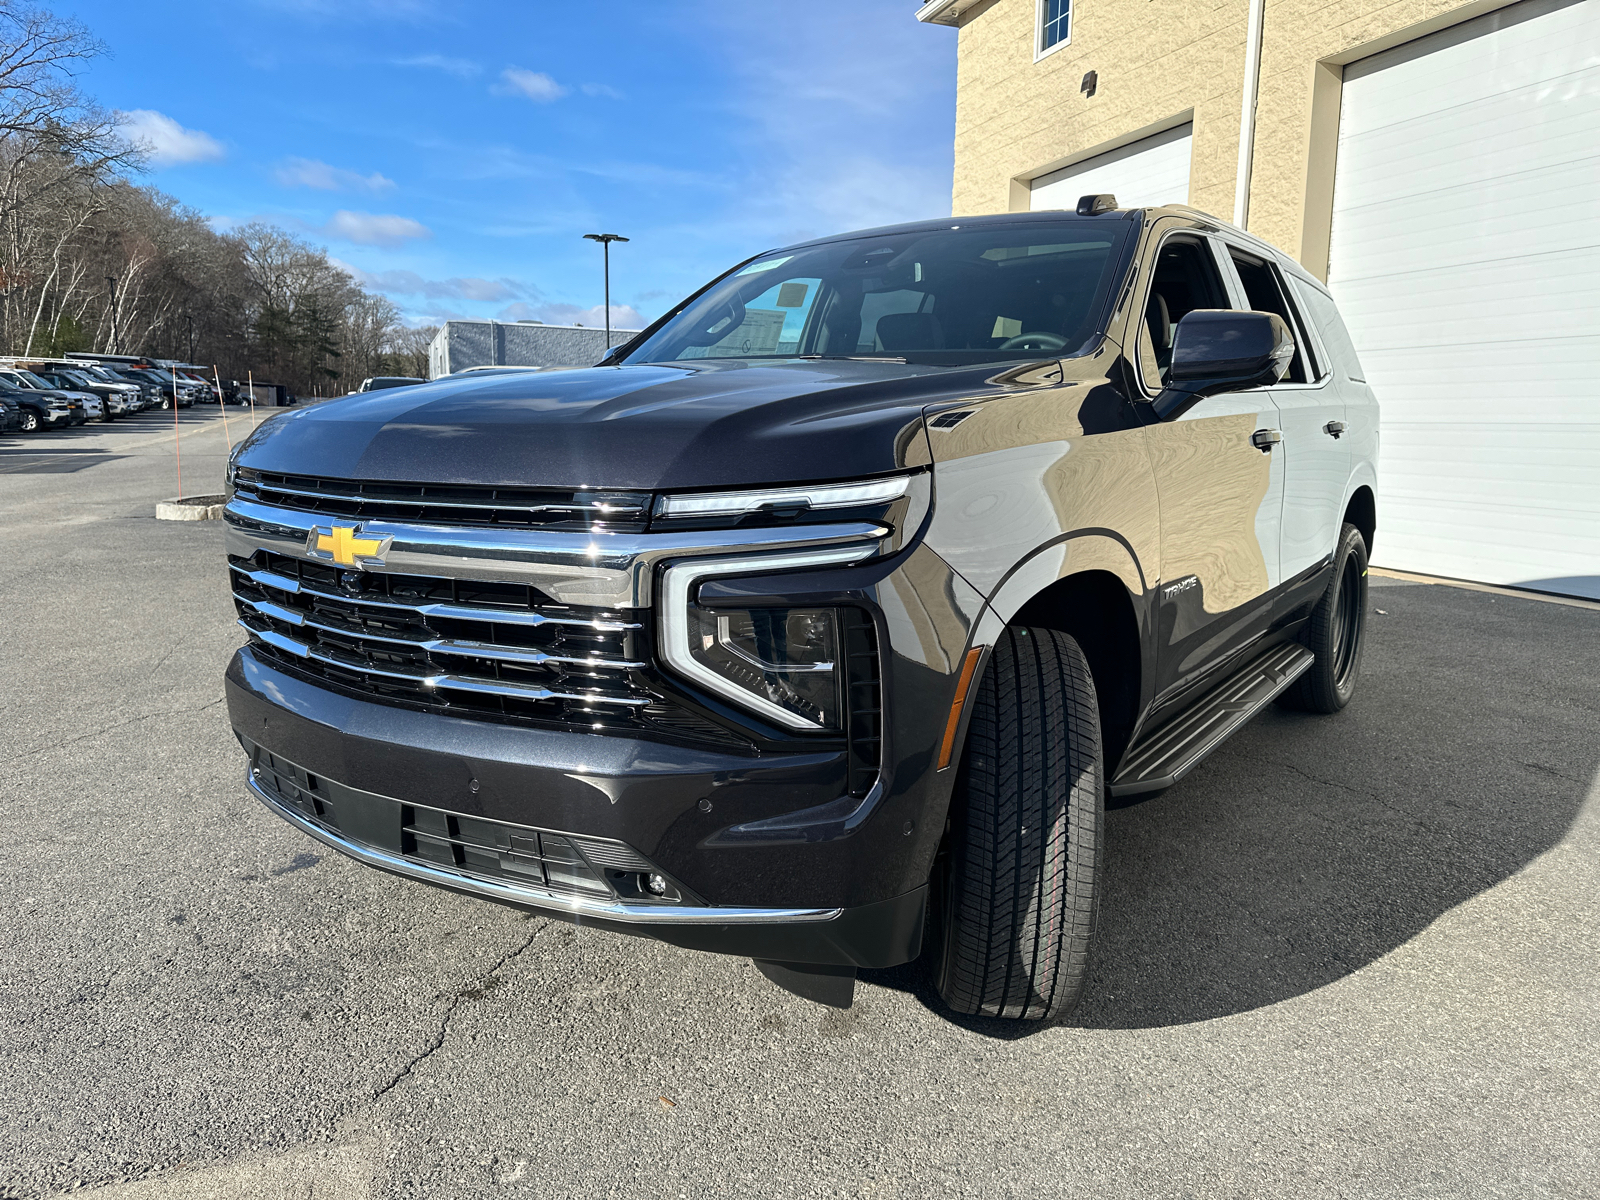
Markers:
(1091, 587)
(1361, 510)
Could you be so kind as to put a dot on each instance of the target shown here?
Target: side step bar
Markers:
(1161, 758)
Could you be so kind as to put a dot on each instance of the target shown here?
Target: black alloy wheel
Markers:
(1335, 632)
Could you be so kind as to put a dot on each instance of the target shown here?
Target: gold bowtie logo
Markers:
(344, 545)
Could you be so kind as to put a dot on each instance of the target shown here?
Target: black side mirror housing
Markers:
(1217, 350)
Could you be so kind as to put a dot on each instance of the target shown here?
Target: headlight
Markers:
(783, 663)
(785, 657)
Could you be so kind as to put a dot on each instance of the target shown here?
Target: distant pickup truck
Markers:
(817, 622)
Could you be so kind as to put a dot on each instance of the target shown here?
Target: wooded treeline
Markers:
(91, 260)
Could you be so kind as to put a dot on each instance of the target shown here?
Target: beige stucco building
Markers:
(1433, 161)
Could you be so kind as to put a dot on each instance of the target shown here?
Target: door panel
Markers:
(1221, 498)
(1221, 511)
(1315, 462)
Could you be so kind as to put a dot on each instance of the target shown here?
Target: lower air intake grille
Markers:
(568, 863)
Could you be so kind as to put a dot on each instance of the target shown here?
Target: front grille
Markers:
(559, 862)
(449, 504)
(470, 648)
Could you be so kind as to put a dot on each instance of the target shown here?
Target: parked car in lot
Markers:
(78, 403)
(817, 625)
(145, 394)
(38, 409)
(10, 415)
(167, 385)
(116, 398)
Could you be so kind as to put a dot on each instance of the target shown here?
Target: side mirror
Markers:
(1217, 350)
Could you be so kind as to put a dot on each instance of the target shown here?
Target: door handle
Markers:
(1265, 439)
(1334, 428)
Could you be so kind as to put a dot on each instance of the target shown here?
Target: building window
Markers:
(1055, 24)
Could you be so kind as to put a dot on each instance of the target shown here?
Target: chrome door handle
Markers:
(1265, 439)
(1334, 428)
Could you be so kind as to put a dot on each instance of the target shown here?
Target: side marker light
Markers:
(963, 686)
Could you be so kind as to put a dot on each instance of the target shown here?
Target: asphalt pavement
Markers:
(1350, 956)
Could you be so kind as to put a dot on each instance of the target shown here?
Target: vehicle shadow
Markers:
(1309, 846)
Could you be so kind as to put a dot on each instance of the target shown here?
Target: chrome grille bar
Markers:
(469, 649)
(434, 681)
(454, 612)
(598, 570)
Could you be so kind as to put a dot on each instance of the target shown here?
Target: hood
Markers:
(680, 425)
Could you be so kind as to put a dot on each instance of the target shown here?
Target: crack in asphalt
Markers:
(472, 992)
(83, 737)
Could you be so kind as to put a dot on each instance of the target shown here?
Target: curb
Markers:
(190, 508)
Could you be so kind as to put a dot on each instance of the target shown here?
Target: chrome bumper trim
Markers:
(601, 570)
(610, 910)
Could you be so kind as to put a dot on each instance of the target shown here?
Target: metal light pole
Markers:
(605, 240)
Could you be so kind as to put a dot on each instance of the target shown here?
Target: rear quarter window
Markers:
(1322, 310)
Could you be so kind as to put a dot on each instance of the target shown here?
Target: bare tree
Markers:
(89, 259)
(408, 350)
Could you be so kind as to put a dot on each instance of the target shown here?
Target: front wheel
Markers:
(1021, 891)
(30, 422)
(1335, 632)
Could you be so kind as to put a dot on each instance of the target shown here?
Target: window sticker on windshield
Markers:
(792, 295)
(766, 264)
(1005, 327)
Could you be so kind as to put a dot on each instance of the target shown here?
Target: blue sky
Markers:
(452, 154)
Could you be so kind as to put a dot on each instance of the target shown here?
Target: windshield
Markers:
(28, 377)
(950, 296)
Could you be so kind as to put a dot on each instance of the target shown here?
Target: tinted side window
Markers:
(1264, 293)
(1334, 335)
(1183, 278)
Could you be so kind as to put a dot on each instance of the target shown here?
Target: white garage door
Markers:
(1153, 170)
(1466, 261)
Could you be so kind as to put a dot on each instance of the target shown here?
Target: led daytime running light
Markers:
(828, 495)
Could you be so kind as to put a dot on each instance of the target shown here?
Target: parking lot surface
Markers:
(1349, 956)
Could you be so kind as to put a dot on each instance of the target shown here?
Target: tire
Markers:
(1335, 633)
(30, 422)
(1021, 884)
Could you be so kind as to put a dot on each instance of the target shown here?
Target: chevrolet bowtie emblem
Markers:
(344, 545)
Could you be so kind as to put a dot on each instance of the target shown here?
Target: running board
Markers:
(1165, 756)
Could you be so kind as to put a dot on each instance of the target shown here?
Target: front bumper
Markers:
(798, 904)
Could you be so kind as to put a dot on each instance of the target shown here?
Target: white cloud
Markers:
(308, 172)
(535, 85)
(409, 283)
(463, 68)
(601, 89)
(164, 140)
(374, 229)
(623, 316)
